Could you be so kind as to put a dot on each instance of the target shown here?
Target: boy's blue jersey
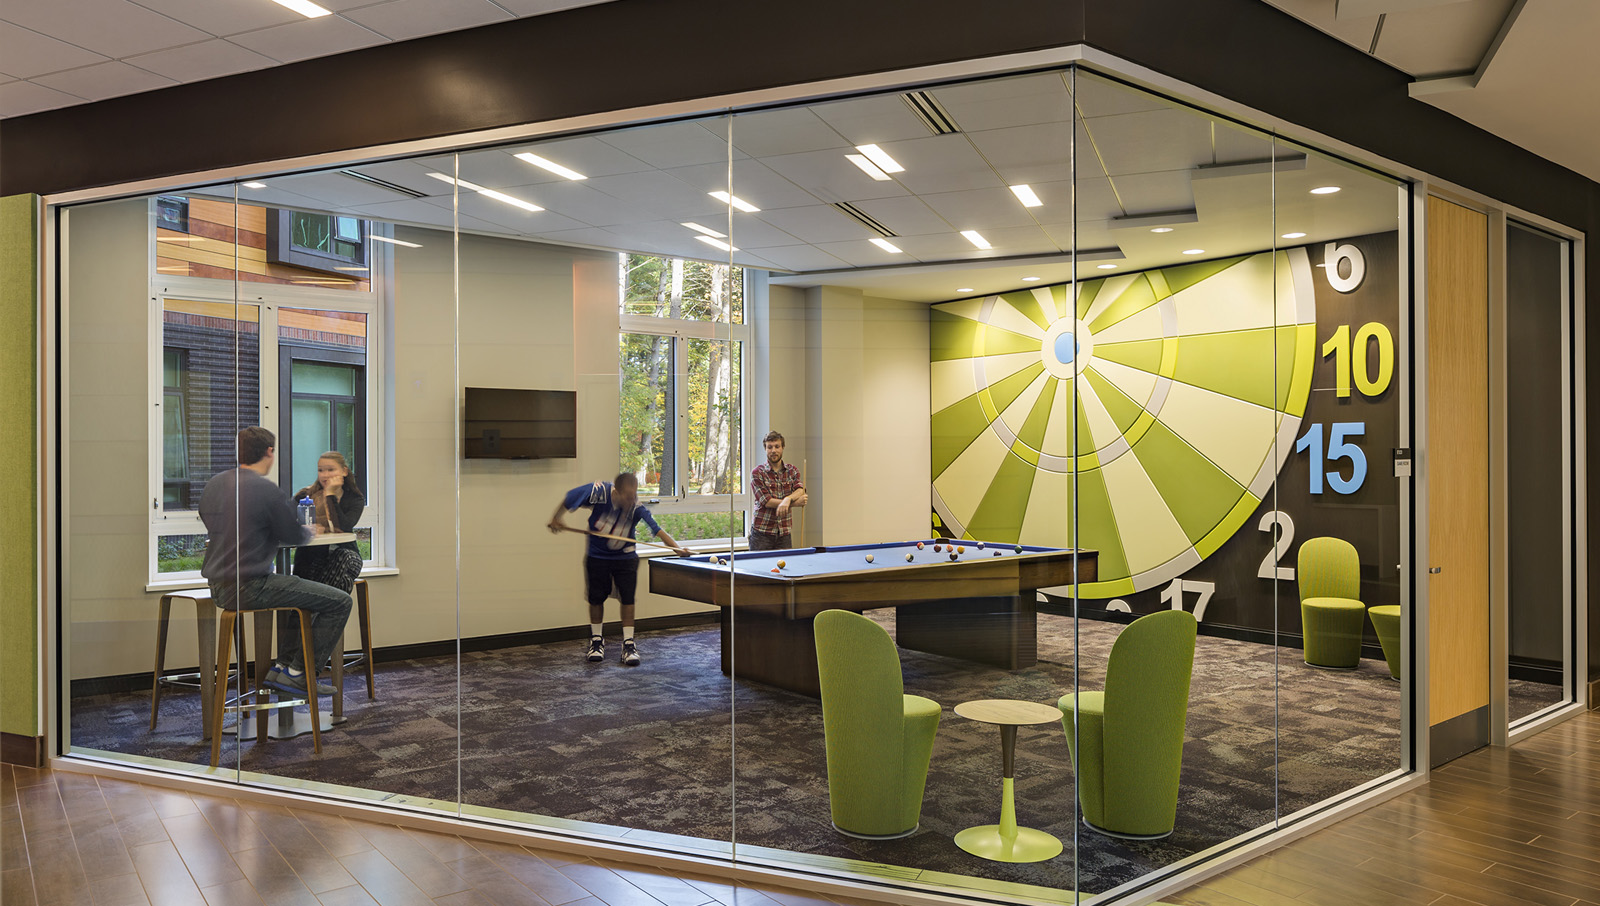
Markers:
(604, 517)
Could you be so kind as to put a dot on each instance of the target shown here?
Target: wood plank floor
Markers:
(1519, 825)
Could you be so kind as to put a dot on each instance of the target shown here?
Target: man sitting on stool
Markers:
(247, 519)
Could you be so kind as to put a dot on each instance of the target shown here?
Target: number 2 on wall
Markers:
(1338, 448)
(1172, 595)
(1280, 546)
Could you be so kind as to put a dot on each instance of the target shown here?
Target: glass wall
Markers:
(614, 425)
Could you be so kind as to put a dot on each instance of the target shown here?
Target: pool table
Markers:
(977, 607)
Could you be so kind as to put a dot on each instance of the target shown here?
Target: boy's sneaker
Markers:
(630, 653)
(597, 649)
(282, 680)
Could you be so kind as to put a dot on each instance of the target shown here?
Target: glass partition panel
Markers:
(1538, 437)
(594, 385)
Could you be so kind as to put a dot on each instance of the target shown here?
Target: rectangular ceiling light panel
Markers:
(305, 8)
(880, 157)
(550, 165)
(736, 201)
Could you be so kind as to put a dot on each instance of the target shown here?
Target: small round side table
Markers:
(1006, 842)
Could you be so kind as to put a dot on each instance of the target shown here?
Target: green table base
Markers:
(1005, 842)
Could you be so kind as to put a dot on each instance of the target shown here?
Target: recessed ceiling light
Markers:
(1324, 190)
(706, 230)
(964, 289)
(1026, 195)
(1194, 251)
(552, 166)
(885, 244)
(867, 166)
(1161, 229)
(880, 157)
(304, 7)
(1107, 267)
(1029, 279)
(977, 240)
(255, 185)
(734, 200)
(717, 243)
(409, 245)
(1294, 235)
(489, 193)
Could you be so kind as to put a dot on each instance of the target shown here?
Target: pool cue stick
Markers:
(581, 531)
(803, 509)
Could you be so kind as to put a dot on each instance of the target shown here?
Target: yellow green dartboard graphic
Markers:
(1174, 394)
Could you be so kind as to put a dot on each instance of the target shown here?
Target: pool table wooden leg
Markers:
(1002, 632)
(771, 649)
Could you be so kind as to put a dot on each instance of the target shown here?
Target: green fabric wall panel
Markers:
(19, 623)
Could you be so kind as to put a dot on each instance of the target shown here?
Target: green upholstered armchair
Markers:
(879, 739)
(1128, 749)
(1332, 616)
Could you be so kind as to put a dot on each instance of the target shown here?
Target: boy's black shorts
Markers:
(603, 574)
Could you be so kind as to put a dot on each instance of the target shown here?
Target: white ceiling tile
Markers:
(802, 258)
(334, 190)
(942, 163)
(593, 237)
(1172, 139)
(752, 182)
(830, 176)
(497, 169)
(1146, 193)
(589, 156)
(485, 208)
(771, 132)
(1042, 152)
(225, 18)
(1098, 97)
(590, 205)
(115, 28)
(308, 38)
(674, 144)
(983, 209)
(819, 223)
(19, 98)
(999, 103)
(104, 80)
(413, 174)
(403, 19)
(659, 193)
(751, 232)
(540, 7)
(861, 253)
(205, 60)
(872, 120)
(27, 53)
(906, 216)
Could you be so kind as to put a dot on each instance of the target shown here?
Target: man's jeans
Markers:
(761, 541)
(328, 606)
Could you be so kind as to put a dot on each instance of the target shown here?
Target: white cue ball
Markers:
(869, 558)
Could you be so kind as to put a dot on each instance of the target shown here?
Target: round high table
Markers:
(1006, 842)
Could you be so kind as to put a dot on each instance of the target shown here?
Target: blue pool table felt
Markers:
(802, 562)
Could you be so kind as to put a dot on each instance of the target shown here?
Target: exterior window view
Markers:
(1009, 475)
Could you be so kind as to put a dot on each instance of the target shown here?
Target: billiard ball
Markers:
(997, 553)
(919, 545)
(1018, 548)
(936, 548)
(962, 549)
(952, 555)
(980, 545)
(869, 558)
(908, 558)
(782, 564)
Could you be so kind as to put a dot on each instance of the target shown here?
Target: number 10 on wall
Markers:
(1339, 447)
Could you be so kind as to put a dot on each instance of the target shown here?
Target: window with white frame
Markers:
(681, 356)
(281, 348)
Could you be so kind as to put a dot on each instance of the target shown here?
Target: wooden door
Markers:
(1458, 479)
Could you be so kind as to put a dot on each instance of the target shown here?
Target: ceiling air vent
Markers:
(864, 218)
(383, 184)
(930, 112)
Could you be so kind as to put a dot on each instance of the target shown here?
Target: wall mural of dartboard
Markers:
(1174, 394)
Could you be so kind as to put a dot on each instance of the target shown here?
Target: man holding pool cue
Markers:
(777, 487)
(610, 557)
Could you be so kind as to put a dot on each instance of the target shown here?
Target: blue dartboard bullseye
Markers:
(1066, 348)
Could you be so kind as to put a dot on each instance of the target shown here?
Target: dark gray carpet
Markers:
(542, 732)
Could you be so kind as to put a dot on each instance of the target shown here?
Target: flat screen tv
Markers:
(521, 424)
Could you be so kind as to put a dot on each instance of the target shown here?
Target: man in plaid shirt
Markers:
(776, 487)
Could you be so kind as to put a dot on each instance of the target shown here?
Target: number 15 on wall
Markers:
(1339, 447)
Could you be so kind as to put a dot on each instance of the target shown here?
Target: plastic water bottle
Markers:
(308, 511)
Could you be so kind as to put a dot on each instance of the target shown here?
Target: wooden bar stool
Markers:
(364, 615)
(225, 640)
(205, 621)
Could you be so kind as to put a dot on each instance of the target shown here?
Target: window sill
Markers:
(189, 583)
(697, 547)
